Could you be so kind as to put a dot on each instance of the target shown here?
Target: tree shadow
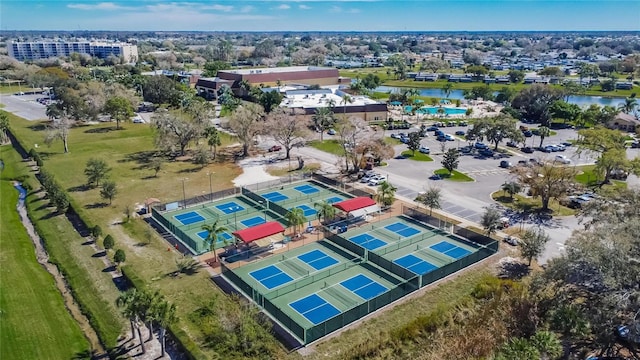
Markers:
(98, 205)
(100, 254)
(144, 157)
(121, 283)
(190, 170)
(88, 242)
(102, 130)
(50, 215)
(150, 177)
(41, 126)
(141, 244)
(109, 268)
(513, 270)
(79, 188)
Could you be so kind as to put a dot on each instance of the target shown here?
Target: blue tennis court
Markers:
(229, 208)
(415, 264)
(271, 276)
(221, 237)
(315, 308)
(317, 259)
(275, 196)
(189, 218)
(307, 189)
(367, 241)
(256, 220)
(451, 250)
(364, 287)
(308, 211)
(402, 229)
(333, 200)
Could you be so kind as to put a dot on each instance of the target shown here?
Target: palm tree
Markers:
(490, 220)
(166, 315)
(543, 132)
(346, 99)
(213, 231)
(295, 217)
(323, 119)
(511, 188)
(325, 210)
(130, 302)
(431, 198)
(386, 193)
(446, 89)
(629, 105)
(147, 305)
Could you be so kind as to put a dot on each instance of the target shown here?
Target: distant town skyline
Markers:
(320, 15)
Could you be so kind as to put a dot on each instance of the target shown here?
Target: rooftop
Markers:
(315, 99)
(276, 70)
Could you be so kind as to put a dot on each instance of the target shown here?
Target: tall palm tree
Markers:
(543, 132)
(166, 315)
(295, 217)
(490, 220)
(325, 211)
(323, 119)
(431, 198)
(446, 89)
(147, 304)
(346, 99)
(386, 193)
(130, 302)
(629, 105)
(213, 231)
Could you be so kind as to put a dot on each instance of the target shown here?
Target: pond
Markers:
(581, 100)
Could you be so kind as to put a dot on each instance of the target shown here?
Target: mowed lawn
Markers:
(34, 323)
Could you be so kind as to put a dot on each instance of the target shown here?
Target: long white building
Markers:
(25, 51)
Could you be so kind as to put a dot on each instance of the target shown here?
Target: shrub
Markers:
(108, 242)
(96, 231)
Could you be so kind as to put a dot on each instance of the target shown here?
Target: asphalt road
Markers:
(24, 106)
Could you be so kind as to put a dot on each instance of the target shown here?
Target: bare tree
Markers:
(59, 130)
(287, 127)
(175, 130)
(246, 122)
(545, 180)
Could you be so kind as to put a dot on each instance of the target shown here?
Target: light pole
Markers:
(210, 187)
(184, 194)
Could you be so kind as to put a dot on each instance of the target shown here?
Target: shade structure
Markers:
(365, 211)
(259, 231)
(395, 103)
(354, 204)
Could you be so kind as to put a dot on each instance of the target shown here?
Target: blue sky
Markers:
(320, 15)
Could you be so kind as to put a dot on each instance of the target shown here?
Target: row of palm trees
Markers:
(145, 308)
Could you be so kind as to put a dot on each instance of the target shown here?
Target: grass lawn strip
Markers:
(331, 146)
(418, 156)
(35, 323)
(454, 176)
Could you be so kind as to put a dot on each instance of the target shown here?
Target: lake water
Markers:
(582, 101)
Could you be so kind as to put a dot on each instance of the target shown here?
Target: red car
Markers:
(275, 148)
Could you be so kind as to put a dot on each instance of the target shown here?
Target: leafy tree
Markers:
(108, 242)
(497, 128)
(213, 235)
(478, 71)
(371, 81)
(511, 188)
(505, 95)
(608, 144)
(60, 200)
(516, 76)
(385, 194)
(434, 64)
(4, 127)
(287, 127)
(119, 109)
(96, 231)
(431, 198)
(479, 92)
(211, 68)
(543, 132)
(96, 170)
(490, 220)
(325, 211)
(156, 165)
(414, 142)
(270, 100)
(534, 103)
(245, 123)
(323, 119)
(201, 157)
(451, 159)
(109, 190)
(551, 71)
(213, 139)
(446, 89)
(175, 130)
(59, 130)
(545, 180)
(161, 90)
(533, 242)
(119, 257)
(295, 217)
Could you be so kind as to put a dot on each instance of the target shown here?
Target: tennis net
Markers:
(338, 295)
(290, 263)
(211, 213)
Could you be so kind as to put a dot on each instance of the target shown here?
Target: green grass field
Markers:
(35, 323)
(418, 156)
(454, 176)
(330, 146)
(522, 203)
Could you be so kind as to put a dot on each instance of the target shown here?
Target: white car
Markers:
(377, 180)
(562, 159)
(368, 176)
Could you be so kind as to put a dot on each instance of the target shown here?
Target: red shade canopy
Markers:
(259, 231)
(354, 204)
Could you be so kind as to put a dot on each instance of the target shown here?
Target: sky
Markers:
(321, 15)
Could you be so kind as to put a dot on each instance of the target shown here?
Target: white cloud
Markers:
(98, 6)
(217, 7)
(335, 9)
(354, 11)
(283, 7)
(247, 9)
(304, 7)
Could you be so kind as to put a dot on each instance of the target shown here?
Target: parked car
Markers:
(432, 128)
(376, 180)
(439, 133)
(275, 148)
(331, 132)
(435, 177)
(395, 136)
(424, 150)
(512, 144)
(449, 137)
(480, 145)
(486, 152)
(462, 123)
(527, 133)
(511, 240)
(368, 176)
(460, 132)
(451, 124)
(470, 137)
(505, 164)
(527, 150)
(523, 162)
(566, 144)
(635, 145)
(465, 149)
(546, 149)
(562, 159)
(523, 128)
